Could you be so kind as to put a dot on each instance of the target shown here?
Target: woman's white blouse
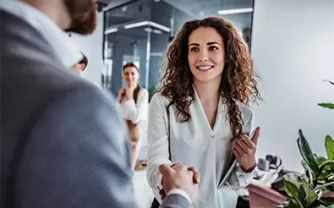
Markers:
(195, 143)
(136, 112)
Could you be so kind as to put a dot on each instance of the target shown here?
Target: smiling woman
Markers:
(201, 116)
(216, 42)
(206, 55)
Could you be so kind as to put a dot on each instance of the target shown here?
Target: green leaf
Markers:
(329, 144)
(330, 188)
(306, 153)
(326, 175)
(291, 185)
(306, 193)
(293, 203)
(309, 172)
(327, 166)
(319, 159)
(327, 105)
(326, 80)
(331, 177)
(303, 190)
(311, 196)
(331, 206)
(327, 201)
(151, 92)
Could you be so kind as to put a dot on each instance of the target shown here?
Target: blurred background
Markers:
(139, 31)
(291, 42)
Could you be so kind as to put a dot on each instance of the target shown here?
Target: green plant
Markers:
(308, 191)
(151, 92)
(327, 105)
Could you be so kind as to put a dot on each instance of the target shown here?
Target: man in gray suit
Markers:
(62, 141)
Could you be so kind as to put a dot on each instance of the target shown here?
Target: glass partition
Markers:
(139, 31)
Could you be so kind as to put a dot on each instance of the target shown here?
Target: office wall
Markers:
(293, 50)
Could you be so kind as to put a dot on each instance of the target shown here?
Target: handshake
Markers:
(181, 177)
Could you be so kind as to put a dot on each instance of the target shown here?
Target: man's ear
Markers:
(82, 67)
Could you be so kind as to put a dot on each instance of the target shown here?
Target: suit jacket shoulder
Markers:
(175, 201)
(62, 141)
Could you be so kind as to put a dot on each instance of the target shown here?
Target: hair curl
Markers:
(238, 82)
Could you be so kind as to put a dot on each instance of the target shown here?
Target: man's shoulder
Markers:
(70, 88)
(41, 84)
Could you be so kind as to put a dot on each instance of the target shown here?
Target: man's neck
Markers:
(55, 10)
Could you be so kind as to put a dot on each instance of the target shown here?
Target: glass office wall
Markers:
(139, 32)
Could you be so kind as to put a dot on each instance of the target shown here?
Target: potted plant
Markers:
(327, 105)
(310, 190)
(151, 92)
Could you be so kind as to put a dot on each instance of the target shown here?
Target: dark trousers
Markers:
(155, 203)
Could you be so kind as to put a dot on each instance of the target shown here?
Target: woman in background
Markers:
(201, 116)
(133, 101)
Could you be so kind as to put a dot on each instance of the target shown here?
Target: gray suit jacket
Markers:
(62, 142)
(175, 201)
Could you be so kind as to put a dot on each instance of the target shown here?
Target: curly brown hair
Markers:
(238, 82)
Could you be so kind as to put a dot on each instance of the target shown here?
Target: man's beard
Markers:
(83, 16)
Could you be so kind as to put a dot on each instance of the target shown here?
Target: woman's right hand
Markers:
(182, 178)
(180, 167)
(120, 95)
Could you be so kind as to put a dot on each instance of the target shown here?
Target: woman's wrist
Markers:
(249, 169)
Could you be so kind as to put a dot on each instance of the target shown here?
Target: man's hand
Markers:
(179, 166)
(245, 149)
(182, 178)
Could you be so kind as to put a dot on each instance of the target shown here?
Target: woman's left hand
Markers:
(245, 149)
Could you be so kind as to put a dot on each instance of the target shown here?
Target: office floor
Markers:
(143, 192)
(143, 153)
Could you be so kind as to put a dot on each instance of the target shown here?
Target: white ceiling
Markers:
(114, 3)
(204, 8)
(198, 8)
(195, 8)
